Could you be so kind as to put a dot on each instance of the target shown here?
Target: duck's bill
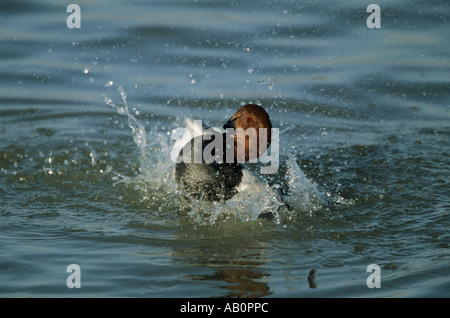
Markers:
(230, 124)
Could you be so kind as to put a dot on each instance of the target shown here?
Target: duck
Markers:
(216, 172)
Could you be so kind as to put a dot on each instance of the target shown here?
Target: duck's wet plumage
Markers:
(211, 181)
(219, 181)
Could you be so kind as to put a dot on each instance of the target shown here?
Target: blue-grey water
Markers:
(86, 175)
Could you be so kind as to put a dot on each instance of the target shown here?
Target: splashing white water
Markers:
(303, 195)
(153, 148)
(137, 129)
(255, 196)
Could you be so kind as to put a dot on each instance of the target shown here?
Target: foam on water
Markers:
(157, 178)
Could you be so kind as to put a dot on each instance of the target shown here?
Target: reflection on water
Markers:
(242, 282)
(244, 276)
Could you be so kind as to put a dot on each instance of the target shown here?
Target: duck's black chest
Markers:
(215, 181)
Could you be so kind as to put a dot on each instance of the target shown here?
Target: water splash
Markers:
(153, 149)
(137, 129)
(156, 183)
(303, 195)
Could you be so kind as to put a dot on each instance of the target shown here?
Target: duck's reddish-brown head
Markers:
(252, 132)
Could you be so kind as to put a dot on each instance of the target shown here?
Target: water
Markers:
(364, 148)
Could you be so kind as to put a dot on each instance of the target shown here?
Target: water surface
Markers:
(364, 128)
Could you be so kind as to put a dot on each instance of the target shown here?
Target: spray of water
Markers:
(156, 178)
